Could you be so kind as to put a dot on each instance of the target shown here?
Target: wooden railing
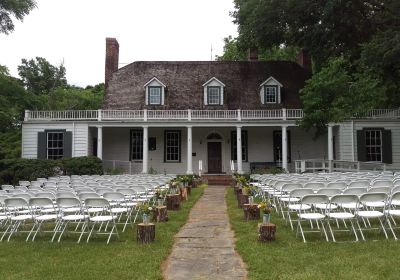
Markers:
(165, 115)
(322, 165)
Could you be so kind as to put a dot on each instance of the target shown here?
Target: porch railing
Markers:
(322, 165)
(166, 115)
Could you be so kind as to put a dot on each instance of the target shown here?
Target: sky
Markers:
(74, 31)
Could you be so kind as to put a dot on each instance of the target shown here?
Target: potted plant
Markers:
(146, 210)
(266, 207)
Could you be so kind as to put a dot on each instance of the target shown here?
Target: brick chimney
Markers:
(252, 54)
(112, 54)
(304, 60)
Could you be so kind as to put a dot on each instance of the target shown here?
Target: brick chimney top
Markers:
(252, 54)
(112, 57)
(304, 60)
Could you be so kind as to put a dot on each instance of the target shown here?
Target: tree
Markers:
(337, 92)
(40, 77)
(13, 8)
(326, 28)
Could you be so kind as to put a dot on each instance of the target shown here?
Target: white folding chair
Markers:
(104, 216)
(119, 207)
(307, 214)
(71, 211)
(18, 214)
(336, 213)
(40, 208)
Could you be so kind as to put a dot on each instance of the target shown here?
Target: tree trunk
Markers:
(251, 212)
(173, 202)
(266, 232)
(160, 214)
(146, 233)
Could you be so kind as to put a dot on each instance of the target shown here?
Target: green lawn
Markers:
(123, 259)
(290, 258)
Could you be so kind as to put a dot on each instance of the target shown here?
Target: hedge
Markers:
(14, 170)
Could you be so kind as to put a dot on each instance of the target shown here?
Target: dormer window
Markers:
(213, 92)
(154, 95)
(270, 91)
(155, 92)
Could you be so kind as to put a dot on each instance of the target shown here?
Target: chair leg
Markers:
(383, 228)
(359, 228)
(90, 233)
(330, 229)
(354, 230)
(323, 228)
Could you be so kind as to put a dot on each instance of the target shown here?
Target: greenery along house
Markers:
(175, 117)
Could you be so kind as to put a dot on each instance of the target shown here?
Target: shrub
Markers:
(14, 170)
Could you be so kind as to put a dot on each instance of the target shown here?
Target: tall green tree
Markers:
(40, 77)
(10, 9)
(327, 28)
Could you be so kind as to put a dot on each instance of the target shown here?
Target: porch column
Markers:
(330, 142)
(100, 142)
(239, 149)
(330, 147)
(189, 169)
(284, 148)
(145, 149)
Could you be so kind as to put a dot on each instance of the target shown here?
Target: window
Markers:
(154, 95)
(234, 145)
(270, 93)
(136, 144)
(55, 145)
(373, 145)
(172, 142)
(214, 95)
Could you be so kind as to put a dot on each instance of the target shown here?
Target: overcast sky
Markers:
(74, 31)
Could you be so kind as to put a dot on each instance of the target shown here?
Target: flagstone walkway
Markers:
(204, 247)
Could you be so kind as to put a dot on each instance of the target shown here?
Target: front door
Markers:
(214, 157)
(278, 147)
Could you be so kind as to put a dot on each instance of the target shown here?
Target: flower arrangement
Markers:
(160, 193)
(265, 206)
(146, 208)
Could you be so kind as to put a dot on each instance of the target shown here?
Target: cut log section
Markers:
(146, 233)
(266, 232)
(173, 202)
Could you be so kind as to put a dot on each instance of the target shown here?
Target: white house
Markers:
(168, 116)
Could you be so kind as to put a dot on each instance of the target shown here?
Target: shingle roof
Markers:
(184, 80)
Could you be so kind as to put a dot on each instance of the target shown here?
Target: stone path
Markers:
(204, 247)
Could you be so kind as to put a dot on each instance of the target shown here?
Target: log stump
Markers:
(146, 233)
(242, 199)
(196, 183)
(183, 193)
(266, 232)
(251, 212)
(189, 190)
(160, 214)
(173, 202)
(237, 190)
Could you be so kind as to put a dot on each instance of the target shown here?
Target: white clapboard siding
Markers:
(30, 137)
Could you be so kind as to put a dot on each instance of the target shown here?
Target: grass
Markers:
(290, 258)
(121, 259)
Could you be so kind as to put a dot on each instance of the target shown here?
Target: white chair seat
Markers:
(311, 216)
(395, 202)
(102, 218)
(378, 204)
(21, 217)
(293, 199)
(298, 206)
(130, 204)
(48, 210)
(2, 218)
(95, 210)
(370, 214)
(393, 212)
(341, 215)
(325, 206)
(141, 199)
(26, 211)
(351, 205)
(74, 217)
(46, 217)
(71, 210)
(118, 210)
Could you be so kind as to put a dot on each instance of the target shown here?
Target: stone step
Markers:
(211, 179)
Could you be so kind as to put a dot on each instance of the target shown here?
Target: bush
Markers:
(14, 170)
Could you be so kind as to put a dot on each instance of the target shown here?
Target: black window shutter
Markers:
(387, 146)
(361, 149)
(68, 144)
(42, 146)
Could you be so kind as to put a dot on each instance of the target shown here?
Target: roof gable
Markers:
(271, 80)
(213, 79)
(154, 79)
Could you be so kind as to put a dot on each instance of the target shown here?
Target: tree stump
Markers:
(160, 214)
(266, 232)
(196, 183)
(146, 233)
(237, 190)
(183, 193)
(242, 199)
(251, 212)
(188, 190)
(173, 202)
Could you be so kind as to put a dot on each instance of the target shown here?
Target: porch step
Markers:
(222, 180)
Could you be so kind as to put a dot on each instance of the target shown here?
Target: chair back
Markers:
(356, 191)
(299, 193)
(314, 199)
(373, 197)
(97, 202)
(65, 202)
(359, 184)
(380, 189)
(314, 185)
(329, 192)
